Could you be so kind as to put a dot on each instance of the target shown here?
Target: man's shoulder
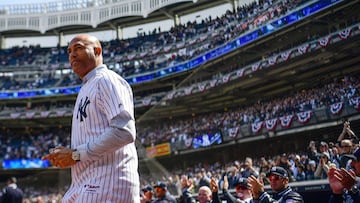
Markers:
(293, 196)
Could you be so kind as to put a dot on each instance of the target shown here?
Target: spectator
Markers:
(300, 173)
(286, 164)
(310, 170)
(242, 189)
(248, 169)
(202, 179)
(11, 193)
(279, 179)
(146, 194)
(205, 193)
(345, 150)
(323, 166)
(162, 195)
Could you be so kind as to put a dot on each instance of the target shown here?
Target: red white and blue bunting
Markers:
(303, 49)
(256, 127)
(233, 132)
(240, 72)
(286, 55)
(324, 41)
(336, 108)
(272, 60)
(344, 34)
(286, 121)
(255, 66)
(201, 87)
(226, 78)
(146, 101)
(188, 90)
(304, 117)
(213, 83)
(355, 102)
(271, 124)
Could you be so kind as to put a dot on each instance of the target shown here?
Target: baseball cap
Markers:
(277, 170)
(355, 156)
(241, 181)
(147, 188)
(161, 185)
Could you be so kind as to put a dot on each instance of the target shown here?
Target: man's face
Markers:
(356, 166)
(159, 192)
(242, 192)
(277, 183)
(148, 195)
(204, 196)
(81, 56)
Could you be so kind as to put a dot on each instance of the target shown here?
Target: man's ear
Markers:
(97, 51)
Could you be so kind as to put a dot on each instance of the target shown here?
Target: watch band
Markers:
(75, 155)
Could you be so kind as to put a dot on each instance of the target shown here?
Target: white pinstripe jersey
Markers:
(112, 177)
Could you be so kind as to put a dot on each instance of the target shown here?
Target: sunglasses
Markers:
(274, 178)
(241, 187)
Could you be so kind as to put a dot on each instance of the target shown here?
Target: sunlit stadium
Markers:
(219, 86)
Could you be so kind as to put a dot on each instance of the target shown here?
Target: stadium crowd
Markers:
(305, 165)
(147, 52)
(310, 164)
(173, 130)
(339, 90)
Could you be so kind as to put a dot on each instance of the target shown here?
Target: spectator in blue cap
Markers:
(279, 182)
(146, 194)
(162, 194)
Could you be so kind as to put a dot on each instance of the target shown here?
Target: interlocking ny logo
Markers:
(82, 109)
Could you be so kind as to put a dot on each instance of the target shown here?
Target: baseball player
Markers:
(103, 156)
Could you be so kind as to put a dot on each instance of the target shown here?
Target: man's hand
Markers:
(60, 157)
(340, 179)
(348, 178)
(214, 185)
(257, 186)
(186, 182)
(226, 183)
(335, 180)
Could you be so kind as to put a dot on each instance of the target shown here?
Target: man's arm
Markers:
(120, 133)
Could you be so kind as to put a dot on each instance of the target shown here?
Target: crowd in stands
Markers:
(340, 90)
(32, 144)
(151, 51)
(309, 164)
(174, 130)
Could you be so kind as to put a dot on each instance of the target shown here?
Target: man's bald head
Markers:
(88, 39)
(85, 54)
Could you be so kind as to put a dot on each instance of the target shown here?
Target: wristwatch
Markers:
(354, 190)
(75, 155)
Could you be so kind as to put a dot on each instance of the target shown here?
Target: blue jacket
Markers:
(352, 196)
(280, 197)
